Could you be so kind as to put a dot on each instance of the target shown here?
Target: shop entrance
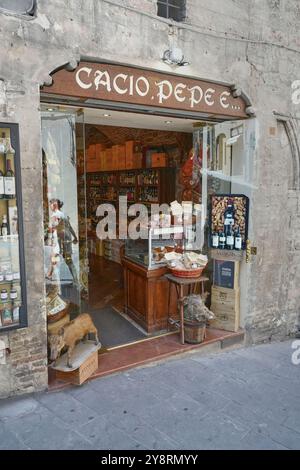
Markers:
(94, 157)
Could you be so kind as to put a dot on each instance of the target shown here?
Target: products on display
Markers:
(13, 220)
(2, 192)
(229, 221)
(4, 227)
(149, 195)
(11, 308)
(9, 182)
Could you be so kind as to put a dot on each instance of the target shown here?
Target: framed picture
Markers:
(229, 210)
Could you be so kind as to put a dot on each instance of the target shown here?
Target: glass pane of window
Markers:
(10, 272)
(23, 7)
(61, 227)
(162, 10)
(177, 3)
(223, 155)
(175, 13)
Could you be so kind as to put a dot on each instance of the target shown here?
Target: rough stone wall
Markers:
(254, 43)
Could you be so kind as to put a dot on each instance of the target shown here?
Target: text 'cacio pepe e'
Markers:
(160, 91)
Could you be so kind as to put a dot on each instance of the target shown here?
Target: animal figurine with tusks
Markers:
(72, 332)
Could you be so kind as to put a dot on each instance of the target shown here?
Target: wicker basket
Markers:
(187, 273)
(58, 316)
(194, 331)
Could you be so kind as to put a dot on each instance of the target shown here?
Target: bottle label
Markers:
(1, 185)
(10, 186)
(215, 241)
(222, 239)
(230, 240)
(238, 243)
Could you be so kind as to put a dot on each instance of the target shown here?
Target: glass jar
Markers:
(13, 294)
(3, 295)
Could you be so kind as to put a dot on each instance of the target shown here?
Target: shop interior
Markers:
(92, 157)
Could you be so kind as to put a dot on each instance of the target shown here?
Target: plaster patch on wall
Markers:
(42, 20)
(3, 99)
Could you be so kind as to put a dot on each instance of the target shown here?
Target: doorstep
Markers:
(152, 350)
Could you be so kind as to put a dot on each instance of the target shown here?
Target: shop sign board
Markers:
(131, 85)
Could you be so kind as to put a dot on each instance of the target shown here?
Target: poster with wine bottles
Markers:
(12, 271)
(229, 215)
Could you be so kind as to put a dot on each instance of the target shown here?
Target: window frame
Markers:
(31, 14)
(169, 4)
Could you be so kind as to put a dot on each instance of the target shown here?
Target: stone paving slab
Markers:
(241, 399)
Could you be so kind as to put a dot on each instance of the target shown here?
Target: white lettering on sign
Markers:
(208, 94)
(119, 90)
(165, 90)
(223, 99)
(138, 87)
(178, 92)
(83, 85)
(196, 95)
(158, 91)
(105, 82)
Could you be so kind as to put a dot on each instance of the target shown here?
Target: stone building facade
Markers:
(254, 44)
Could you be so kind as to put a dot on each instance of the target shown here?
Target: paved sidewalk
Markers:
(242, 399)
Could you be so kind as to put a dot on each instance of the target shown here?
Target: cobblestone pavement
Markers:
(241, 399)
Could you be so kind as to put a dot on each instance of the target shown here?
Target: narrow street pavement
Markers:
(241, 399)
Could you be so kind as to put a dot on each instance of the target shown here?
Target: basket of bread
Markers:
(188, 265)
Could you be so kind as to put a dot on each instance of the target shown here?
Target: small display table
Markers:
(180, 283)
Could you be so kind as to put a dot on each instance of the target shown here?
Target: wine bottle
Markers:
(238, 240)
(222, 240)
(2, 195)
(215, 240)
(229, 214)
(229, 238)
(9, 181)
(4, 228)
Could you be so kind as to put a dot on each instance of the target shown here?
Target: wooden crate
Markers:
(159, 160)
(226, 297)
(226, 318)
(84, 361)
(109, 159)
(132, 147)
(121, 157)
(225, 304)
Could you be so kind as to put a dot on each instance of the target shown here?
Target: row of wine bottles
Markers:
(7, 182)
(228, 239)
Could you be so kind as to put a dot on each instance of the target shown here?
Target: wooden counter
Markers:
(146, 296)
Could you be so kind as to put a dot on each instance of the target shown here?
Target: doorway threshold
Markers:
(152, 350)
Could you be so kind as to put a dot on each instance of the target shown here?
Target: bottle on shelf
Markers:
(222, 240)
(2, 191)
(9, 181)
(4, 228)
(16, 314)
(238, 239)
(215, 240)
(6, 314)
(229, 237)
(5, 308)
(229, 214)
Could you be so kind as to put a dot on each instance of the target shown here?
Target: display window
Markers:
(12, 271)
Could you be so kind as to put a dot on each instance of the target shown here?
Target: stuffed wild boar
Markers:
(70, 334)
